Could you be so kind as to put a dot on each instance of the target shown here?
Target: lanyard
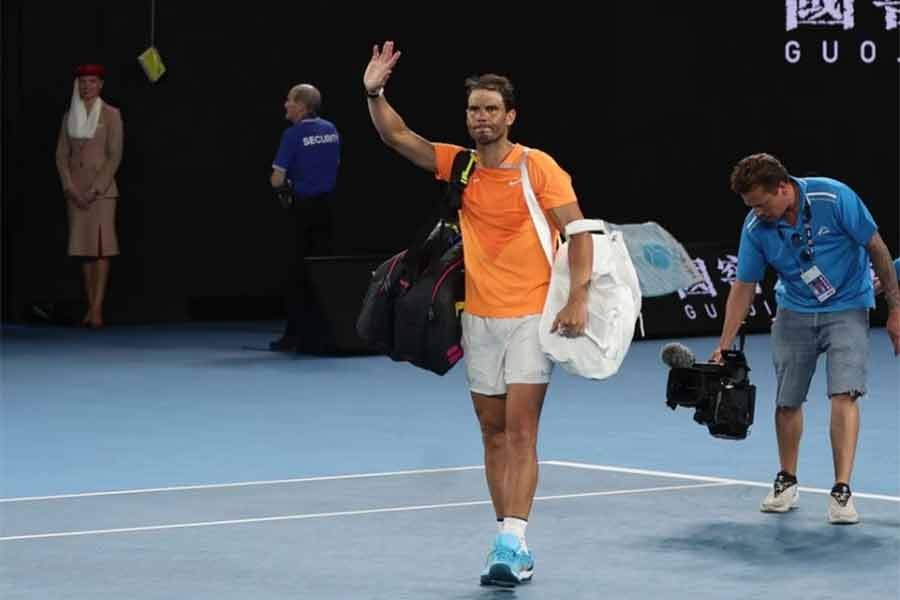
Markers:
(807, 253)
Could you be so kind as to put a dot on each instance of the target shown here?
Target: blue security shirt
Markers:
(841, 227)
(309, 153)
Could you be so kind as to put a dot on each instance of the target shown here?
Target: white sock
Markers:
(516, 527)
(499, 525)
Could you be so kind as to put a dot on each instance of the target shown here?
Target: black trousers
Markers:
(313, 220)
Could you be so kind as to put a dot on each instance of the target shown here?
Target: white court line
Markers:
(370, 511)
(577, 465)
(181, 488)
(558, 463)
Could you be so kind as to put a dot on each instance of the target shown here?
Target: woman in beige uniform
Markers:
(87, 156)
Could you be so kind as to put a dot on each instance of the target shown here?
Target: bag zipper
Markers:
(444, 275)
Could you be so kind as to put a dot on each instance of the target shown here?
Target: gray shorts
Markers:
(503, 351)
(799, 338)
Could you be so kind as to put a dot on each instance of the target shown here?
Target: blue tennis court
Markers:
(171, 461)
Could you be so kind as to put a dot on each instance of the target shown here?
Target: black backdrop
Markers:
(647, 105)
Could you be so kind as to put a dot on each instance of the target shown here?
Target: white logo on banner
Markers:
(819, 12)
(705, 287)
(830, 15)
(727, 268)
(891, 13)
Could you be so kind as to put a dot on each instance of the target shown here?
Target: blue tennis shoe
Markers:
(507, 564)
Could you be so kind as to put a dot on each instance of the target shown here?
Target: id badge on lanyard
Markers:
(818, 283)
(813, 277)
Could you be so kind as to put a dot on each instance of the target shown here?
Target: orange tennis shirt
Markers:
(507, 274)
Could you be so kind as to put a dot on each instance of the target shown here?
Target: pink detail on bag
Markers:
(454, 354)
(444, 275)
(383, 288)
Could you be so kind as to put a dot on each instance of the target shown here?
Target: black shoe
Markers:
(286, 343)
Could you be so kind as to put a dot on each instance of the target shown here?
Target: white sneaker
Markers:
(782, 497)
(841, 510)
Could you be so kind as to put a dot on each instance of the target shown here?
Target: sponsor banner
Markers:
(841, 31)
(700, 309)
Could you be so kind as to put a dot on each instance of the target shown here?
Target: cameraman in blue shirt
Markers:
(304, 175)
(818, 236)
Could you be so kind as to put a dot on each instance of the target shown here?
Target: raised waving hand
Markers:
(380, 66)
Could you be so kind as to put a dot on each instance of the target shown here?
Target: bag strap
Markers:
(540, 219)
(445, 213)
(460, 172)
(585, 226)
(537, 215)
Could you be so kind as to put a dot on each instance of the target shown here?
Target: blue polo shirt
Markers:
(309, 153)
(841, 227)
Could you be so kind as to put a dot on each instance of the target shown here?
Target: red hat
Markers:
(89, 69)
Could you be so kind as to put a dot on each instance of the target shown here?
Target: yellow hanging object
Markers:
(152, 63)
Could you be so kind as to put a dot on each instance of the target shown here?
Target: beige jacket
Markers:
(86, 165)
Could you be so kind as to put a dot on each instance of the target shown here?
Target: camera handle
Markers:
(743, 335)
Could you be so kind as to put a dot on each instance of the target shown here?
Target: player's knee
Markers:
(521, 438)
(493, 435)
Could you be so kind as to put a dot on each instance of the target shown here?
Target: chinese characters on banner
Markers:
(891, 13)
(828, 16)
(700, 309)
(840, 13)
(819, 13)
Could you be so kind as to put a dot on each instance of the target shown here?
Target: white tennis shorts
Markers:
(499, 352)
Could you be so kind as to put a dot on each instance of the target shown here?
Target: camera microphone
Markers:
(677, 355)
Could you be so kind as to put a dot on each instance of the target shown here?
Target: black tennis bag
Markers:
(375, 323)
(411, 311)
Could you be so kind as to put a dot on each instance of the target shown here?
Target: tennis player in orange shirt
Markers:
(507, 277)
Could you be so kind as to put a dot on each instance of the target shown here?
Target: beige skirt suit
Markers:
(86, 164)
